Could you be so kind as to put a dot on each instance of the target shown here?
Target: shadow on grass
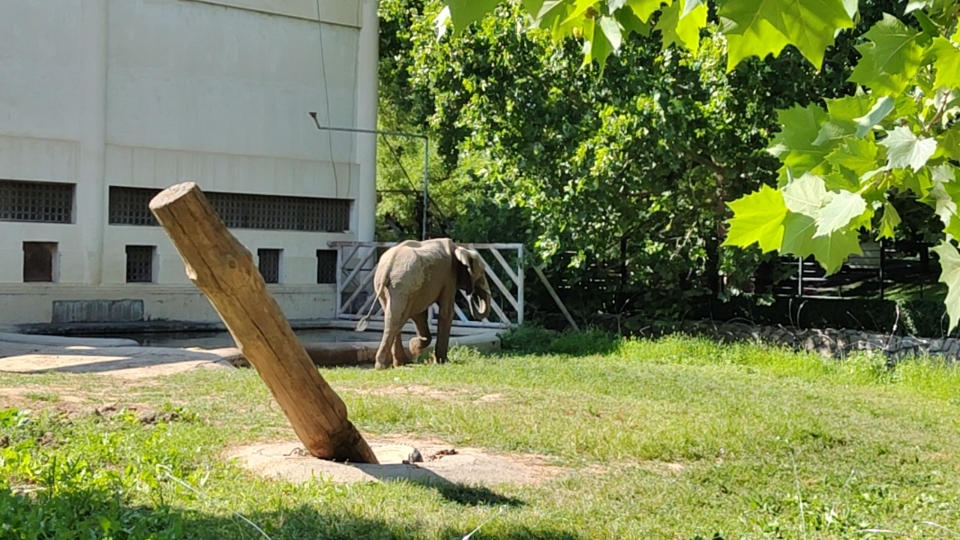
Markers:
(94, 513)
(453, 491)
(473, 495)
(532, 340)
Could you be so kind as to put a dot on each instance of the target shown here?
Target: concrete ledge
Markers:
(362, 352)
(61, 341)
(162, 326)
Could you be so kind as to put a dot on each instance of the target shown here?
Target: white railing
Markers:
(357, 264)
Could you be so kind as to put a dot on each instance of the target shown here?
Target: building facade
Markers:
(103, 103)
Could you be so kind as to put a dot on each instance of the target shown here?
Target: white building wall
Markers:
(150, 93)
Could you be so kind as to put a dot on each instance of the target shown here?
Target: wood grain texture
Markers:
(223, 269)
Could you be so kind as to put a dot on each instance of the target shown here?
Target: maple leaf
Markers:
(759, 28)
(682, 30)
(950, 275)
(757, 218)
(890, 59)
(904, 149)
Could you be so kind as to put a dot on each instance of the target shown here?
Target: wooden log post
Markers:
(220, 266)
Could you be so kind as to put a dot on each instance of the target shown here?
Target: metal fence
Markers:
(882, 266)
(357, 264)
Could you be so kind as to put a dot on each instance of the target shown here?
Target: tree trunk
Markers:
(223, 269)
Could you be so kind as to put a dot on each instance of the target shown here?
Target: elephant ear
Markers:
(471, 259)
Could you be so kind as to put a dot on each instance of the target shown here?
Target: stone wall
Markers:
(826, 342)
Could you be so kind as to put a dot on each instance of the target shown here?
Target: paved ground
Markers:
(126, 362)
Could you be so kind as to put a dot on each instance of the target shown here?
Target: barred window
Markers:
(326, 266)
(39, 262)
(140, 263)
(42, 202)
(270, 264)
(130, 206)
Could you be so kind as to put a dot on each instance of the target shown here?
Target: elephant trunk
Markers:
(480, 303)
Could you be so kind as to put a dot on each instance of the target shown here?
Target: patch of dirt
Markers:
(438, 462)
(410, 390)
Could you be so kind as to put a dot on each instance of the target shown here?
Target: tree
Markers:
(842, 163)
(615, 169)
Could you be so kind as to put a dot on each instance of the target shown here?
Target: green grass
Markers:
(692, 440)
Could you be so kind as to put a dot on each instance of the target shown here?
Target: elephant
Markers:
(411, 277)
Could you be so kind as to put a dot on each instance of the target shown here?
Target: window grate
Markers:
(140, 264)
(130, 206)
(326, 266)
(269, 264)
(39, 262)
(43, 202)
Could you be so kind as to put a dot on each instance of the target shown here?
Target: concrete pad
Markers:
(66, 341)
(442, 464)
(126, 362)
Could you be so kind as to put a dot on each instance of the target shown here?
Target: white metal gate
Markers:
(357, 263)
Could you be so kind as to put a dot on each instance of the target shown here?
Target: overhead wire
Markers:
(326, 95)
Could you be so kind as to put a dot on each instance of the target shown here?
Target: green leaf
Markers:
(918, 182)
(643, 9)
(831, 250)
(947, 63)
(579, 8)
(596, 45)
(799, 127)
(805, 195)
(796, 144)
(798, 232)
(811, 25)
(891, 57)
(943, 202)
(752, 28)
(951, 142)
(842, 178)
(465, 12)
(762, 27)
(611, 31)
(631, 23)
(689, 6)
(840, 211)
(858, 155)
(842, 113)
(950, 274)
(904, 149)
(685, 31)
(877, 113)
(914, 5)
(889, 221)
(757, 217)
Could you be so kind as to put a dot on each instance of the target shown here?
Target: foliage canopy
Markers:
(843, 166)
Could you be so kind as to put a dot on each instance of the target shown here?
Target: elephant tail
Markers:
(362, 325)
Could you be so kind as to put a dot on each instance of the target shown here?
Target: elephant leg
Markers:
(422, 341)
(445, 320)
(392, 325)
(400, 357)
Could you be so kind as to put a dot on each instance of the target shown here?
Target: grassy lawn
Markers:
(677, 438)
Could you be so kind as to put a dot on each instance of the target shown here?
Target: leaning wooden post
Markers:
(223, 269)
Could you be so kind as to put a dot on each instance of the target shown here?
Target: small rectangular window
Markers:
(40, 262)
(270, 264)
(40, 202)
(326, 266)
(140, 262)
